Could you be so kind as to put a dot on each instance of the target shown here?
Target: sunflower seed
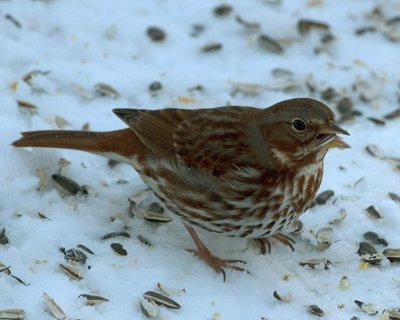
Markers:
(345, 105)
(251, 89)
(390, 314)
(392, 115)
(138, 197)
(27, 106)
(324, 196)
(223, 10)
(61, 122)
(144, 240)
(250, 26)
(156, 217)
(373, 213)
(27, 78)
(85, 126)
(197, 29)
(269, 44)
(376, 121)
(55, 310)
(5, 269)
(12, 314)
(362, 30)
(366, 248)
(328, 94)
(92, 300)
(14, 21)
(3, 237)
(393, 255)
(373, 150)
(43, 180)
(71, 271)
(304, 26)
(210, 47)
(65, 185)
(394, 197)
(297, 226)
(160, 299)
(324, 234)
(105, 90)
(374, 238)
(369, 308)
(284, 298)
(373, 258)
(74, 255)
(115, 234)
(344, 283)
(315, 310)
(316, 262)
(119, 249)
(156, 34)
(339, 218)
(149, 308)
(84, 248)
(155, 86)
(170, 291)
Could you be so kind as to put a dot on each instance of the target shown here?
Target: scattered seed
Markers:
(366, 248)
(394, 197)
(170, 291)
(149, 308)
(315, 310)
(223, 10)
(199, 87)
(144, 240)
(85, 126)
(377, 121)
(304, 26)
(161, 300)
(251, 89)
(119, 249)
(372, 258)
(112, 163)
(115, 234)
(366, 307)
(82, 92)
(74, 255)
(211, 47)
(250, 26)
(138, 198)
(5, 269)
(61, 122)
(297, 227)
(27, 78)
(3, 237)
(156, 34)
(284, 298)
(84, 248)
(314, 262)
(155, 86)
(27, 106)
(324, 196)
(14, 21)
(12, 314)
(363, 30)
(328, 94)
(43, 180)
(92, 300)
(156, 217)
(393, 255)
(197, 29)
(373, 150)
(105, 90)
(345, 105)
(70, 271)
(281, 73)
(65, 185)
(53, 307)
(373, 213)
(355, 318)
(344, 283)
(339, 218)
(392, 115)
(269, 44)
(323, 237)
(374, 238)
(390, 314)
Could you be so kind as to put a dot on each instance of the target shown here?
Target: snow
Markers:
(82, 43)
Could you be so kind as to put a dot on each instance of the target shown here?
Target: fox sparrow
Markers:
(238, 171)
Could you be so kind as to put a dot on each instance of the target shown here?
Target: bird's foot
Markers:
(264, 243)
(218, 264)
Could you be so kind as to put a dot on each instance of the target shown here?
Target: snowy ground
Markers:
(81, 43)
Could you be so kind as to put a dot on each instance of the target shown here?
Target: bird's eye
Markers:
(299, 125)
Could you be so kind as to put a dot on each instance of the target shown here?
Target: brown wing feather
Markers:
(211, 139)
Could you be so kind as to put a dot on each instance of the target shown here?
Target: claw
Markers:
(285, 240)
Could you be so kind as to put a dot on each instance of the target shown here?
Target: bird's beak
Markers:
(328, 136)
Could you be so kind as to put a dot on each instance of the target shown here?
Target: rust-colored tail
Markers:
(119, 144)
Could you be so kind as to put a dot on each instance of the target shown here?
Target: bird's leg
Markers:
(204, 254)
(264, 243)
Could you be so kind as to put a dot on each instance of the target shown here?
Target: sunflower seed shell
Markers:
(12, 314)
(53, 307)
(160, 299)
(71, 271)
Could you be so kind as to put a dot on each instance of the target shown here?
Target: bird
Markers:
(238, 171)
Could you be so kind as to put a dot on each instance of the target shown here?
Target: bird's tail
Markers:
(120, 145)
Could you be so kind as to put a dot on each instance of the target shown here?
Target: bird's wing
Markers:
(208, 139)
